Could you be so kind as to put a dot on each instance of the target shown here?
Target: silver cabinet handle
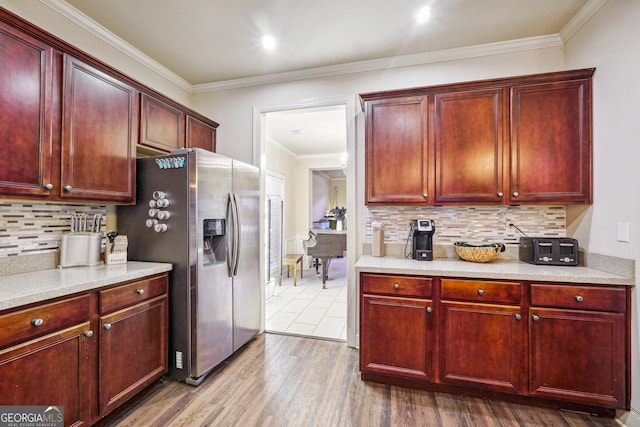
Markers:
(579, 298)
(500, 194)
(429, 309)
(67, 187)
(88, 333)
(396, 286)
(37, 321)
(140, 291)
(517, 316)
(516, 194)
(107, 326)
(535, 317)
(48, 186)
(425, 195)
(480, 292)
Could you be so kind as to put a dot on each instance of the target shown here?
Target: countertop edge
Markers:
(499, 270)
(27, 288)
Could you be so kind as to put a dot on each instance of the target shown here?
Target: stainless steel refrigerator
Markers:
(200, 211)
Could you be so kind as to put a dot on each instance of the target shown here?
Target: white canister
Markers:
(377, 239)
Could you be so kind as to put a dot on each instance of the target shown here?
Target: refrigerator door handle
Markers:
(236, 227)
(230, 235)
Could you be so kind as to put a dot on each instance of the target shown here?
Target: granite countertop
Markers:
(496, 269)
(27, 288)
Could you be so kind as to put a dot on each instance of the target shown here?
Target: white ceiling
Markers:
(206, 42)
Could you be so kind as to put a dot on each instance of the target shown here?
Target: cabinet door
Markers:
(25, 114)
(468, 147)
(133, 351)
(200, 135)
(551, 142)
(53, 370)
(482, 345)
(578, 356)
(396, 336)
(161, 125)
(396, 150)
(99, 134)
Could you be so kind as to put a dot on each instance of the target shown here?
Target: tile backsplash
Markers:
(28, 228)
(472, 224)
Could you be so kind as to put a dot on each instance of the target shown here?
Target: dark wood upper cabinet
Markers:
(99, 134)
(551, 142)
(161, 125)
(26, 81)
(397, 151)
(200, 134)
(514, 140)
(469, 146)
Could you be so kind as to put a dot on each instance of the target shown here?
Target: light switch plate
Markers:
(623, 231)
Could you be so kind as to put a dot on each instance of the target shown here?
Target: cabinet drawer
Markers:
(481, 291)
(24, 324)
(131, 293)
(579, 297)
(396, 285)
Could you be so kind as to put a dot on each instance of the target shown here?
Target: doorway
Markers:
(307, 308)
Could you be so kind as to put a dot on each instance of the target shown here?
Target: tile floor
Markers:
(309, 310)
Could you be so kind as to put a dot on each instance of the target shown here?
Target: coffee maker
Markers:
(423, 230)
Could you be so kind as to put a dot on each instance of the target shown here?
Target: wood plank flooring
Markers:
(281, 380)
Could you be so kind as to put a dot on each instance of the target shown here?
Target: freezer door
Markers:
(246, 281)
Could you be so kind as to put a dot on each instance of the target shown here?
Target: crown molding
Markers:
(488, 49)
(88, 24)
(580, 18)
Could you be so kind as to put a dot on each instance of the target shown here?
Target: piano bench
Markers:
(293, 260)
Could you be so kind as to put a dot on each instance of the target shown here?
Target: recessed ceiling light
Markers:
(423, 14)
(269, 42)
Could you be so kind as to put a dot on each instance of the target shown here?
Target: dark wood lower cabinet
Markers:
(481, 345)
(52, 370)
(89, 352)
(133, 351)
(398, 338)
(547, 344)
(578, 356)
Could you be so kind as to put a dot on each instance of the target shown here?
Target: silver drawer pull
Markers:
(107, 326)
(480, 292)
(535, 317)
(396, 286)
(37, 322)
(429, 309)
(88, 333)
(579, 298)
(517, 316)
(140, 291)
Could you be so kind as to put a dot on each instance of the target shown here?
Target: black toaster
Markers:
(549, 250)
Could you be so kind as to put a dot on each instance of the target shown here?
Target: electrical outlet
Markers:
(508, 228)
(179, 360)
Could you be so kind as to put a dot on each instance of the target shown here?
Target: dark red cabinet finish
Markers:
(513, 140)
(200, 135)
(26, 109)
(396, 150)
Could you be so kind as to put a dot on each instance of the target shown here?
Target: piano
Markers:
(323, 245)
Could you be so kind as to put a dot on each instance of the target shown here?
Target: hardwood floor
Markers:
(280, 380)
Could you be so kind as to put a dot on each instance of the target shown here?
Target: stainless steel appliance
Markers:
(549, 250)
(200, 211)
(423, 230)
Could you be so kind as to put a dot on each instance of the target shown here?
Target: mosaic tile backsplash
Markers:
(35, 228)
(472, 224)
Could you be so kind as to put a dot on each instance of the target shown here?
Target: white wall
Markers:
(609, 42)
(320, 195)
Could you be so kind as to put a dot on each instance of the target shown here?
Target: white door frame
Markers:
(350, 104)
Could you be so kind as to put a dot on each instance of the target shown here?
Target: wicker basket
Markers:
(482, 253)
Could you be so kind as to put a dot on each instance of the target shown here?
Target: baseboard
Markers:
(628, 418)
